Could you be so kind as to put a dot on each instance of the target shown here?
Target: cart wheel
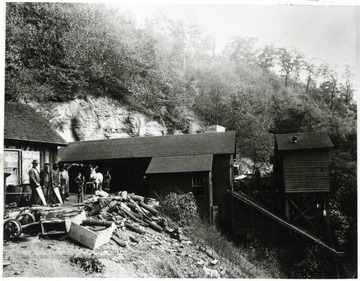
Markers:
(25, 218)
(12, 229)
(37, 214)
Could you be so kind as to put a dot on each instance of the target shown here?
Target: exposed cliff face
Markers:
(101, 118)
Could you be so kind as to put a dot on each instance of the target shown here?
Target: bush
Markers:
(88, 264)
(180, 207)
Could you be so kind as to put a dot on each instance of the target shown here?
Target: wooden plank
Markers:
(211, 201)
(41, 195)
(58, 195)
(118, 241)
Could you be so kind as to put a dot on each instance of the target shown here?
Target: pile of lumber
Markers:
(93, 222)
(109, 214)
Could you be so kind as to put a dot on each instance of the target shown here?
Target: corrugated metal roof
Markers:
(143, 147)
(297, 141)
(23, 123)
(180, 164)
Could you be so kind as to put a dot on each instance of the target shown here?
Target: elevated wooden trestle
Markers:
(254, 204)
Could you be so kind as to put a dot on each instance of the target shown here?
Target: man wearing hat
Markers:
(34, 177)
(46, 182)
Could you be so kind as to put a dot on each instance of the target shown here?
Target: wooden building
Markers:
(301, 162)
(301, 177)
(200, 163)
(27, 136)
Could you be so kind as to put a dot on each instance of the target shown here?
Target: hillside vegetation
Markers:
(169, 72)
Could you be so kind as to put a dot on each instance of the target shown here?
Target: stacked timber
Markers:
(93, 222)
(123, 212)
(128, 211)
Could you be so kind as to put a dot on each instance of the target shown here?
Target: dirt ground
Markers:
(156, 255)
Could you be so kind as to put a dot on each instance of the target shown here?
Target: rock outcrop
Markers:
(101, 118)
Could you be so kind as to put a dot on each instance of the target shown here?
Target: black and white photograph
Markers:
(179, 139)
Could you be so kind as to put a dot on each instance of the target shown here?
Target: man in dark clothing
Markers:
(34, 176)
(79, 180)
(46, 182)
(107, 179)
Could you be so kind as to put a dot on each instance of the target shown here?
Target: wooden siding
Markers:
(306, 171)
(222, 183)
(44, 153)
(163, 184)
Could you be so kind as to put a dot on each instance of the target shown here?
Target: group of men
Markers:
(47, 180)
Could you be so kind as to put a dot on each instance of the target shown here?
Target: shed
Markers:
(201, 163)
(27, 136)
(301, 162)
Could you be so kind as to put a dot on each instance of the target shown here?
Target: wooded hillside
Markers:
(168, 70)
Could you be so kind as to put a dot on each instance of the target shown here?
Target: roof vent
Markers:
(294, 139)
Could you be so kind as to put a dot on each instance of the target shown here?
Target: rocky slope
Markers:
(102, 118)
(149, 254)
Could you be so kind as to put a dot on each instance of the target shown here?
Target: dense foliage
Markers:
(180, 207)
(169, 70)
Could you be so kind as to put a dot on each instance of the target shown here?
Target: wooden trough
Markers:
(89, 238)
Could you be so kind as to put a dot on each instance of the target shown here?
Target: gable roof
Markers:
(145, 147)
(303, 141)
(23, 123)
(180, 164)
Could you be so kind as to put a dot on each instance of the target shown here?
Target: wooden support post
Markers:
(82, 190)
(232, 172)
(211, 202)
(328, 228)
(327, 219)
(287, 209)
(303, 214)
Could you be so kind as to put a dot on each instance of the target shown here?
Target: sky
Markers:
(325, 32)
(328, 33)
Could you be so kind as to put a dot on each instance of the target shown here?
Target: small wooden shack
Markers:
(301, 162)
(301, 167)
(27, 136)
(200, 163)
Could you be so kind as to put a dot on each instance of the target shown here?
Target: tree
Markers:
(249, 117)
(329, 84)
(33, 53)
(266, 57)
(241, 50)
(215, 85)
(347, 91)
(312, 72)
(290, 63)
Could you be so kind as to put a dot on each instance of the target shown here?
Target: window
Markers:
(197, 182)
(11, 166)
(198, 186)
